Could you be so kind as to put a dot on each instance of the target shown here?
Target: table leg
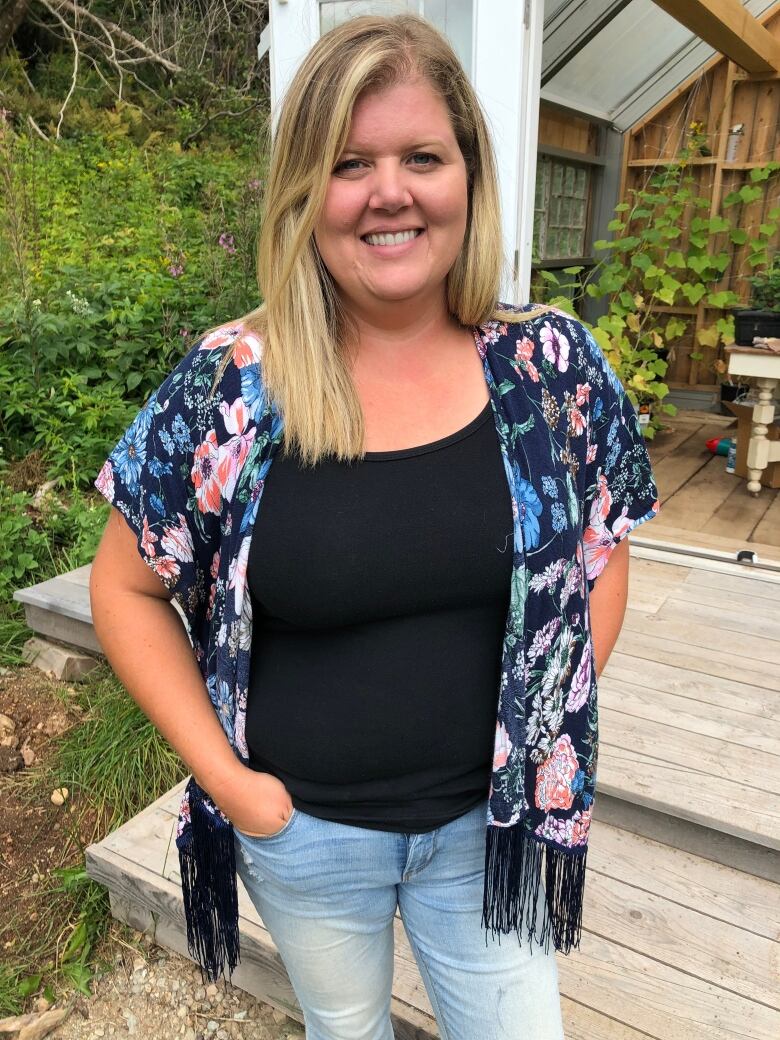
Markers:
(758, 446)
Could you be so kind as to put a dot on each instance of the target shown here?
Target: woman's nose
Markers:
(390, 190)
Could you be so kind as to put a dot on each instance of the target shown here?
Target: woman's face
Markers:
(402, 171)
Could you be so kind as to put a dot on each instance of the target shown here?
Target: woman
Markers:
(449, 479)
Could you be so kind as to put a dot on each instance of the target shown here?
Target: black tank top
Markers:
(379, 592)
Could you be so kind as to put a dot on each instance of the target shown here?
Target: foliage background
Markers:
(131, 187)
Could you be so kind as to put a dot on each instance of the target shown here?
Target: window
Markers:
(560, 210)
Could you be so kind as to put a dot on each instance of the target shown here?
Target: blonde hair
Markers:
(304, 328)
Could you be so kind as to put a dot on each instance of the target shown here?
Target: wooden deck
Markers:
(701, 504)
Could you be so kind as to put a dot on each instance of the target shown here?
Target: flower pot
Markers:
(751, 323)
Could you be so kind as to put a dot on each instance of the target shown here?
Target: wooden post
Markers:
(728, 27)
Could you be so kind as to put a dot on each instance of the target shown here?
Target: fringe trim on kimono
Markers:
(513, 872)
(207, 860)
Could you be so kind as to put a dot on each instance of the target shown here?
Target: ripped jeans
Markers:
(327, 893)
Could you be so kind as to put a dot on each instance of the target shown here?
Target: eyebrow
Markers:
(419, 147)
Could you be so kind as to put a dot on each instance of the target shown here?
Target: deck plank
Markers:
(706, 492)
(675, 470)
(739, 514)
(752, 585)
(751, 732)
(663, 1001)
(638, 642)
(768, 530)
(687, 880)
(743, 604)
(703, 690)
(659, 530)
(678, 627)
(682, 790)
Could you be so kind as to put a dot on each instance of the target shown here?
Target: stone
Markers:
(58, 662)
(59, 795)
(7, 725)
(211, 991)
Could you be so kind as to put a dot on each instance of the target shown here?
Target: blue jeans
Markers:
(327, 893)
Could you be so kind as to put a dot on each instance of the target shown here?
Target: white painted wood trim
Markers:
(294, 29)
(506, 73)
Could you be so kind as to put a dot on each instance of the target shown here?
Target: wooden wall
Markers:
(720, 96)
(567, 132)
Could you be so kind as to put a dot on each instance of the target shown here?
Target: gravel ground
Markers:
(153, 994)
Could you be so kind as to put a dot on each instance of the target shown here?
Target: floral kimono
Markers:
(189, 476)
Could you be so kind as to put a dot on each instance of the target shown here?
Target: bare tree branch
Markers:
(74, 78)
(215, 115)
(107, 25)
(36, 128)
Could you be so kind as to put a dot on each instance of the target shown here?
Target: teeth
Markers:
(391, 240)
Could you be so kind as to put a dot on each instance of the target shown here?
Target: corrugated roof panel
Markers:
(631, 65)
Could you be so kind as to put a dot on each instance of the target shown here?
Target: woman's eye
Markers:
(345, 166)
(426, 157)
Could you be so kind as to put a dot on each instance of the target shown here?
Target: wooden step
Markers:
(674, 945)
(689, 717)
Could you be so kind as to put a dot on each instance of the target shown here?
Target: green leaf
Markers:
(616, 225)
(76, 942)
(748, 194)
(601, 244)
(723, 299)
(675, 259)
(641, 261)
(549, 277)
(719, 224)
(738, 236)
(699, 264)
(767, 229)
(573, 270)
(761, 173)
(622, 207)
(29, 985)
(624, 245)
(694, 292)
(665, 294)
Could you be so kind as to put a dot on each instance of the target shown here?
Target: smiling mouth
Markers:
(390, 239)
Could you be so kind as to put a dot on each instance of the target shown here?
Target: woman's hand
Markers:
(257, 804)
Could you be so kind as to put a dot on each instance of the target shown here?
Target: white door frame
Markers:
(506, 73)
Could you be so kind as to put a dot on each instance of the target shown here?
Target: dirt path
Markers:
(153, 994)
(148, 993)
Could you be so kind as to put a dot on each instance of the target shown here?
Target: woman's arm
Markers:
(146, 644)
(608, 600)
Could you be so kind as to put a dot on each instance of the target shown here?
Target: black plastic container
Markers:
(749, 324)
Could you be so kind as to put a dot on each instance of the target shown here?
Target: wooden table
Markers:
(764, 366)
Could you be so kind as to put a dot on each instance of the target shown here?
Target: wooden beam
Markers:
(730, 29)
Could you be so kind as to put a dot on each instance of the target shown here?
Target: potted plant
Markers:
(762, 317)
